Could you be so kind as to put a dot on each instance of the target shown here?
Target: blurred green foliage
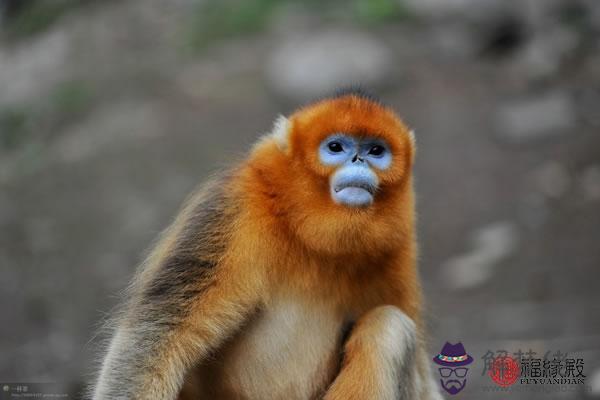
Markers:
(215, 19)
(377, 11)
(71, 98)
(14, 123)
(67, 102)
(221, 19)
(211, 19)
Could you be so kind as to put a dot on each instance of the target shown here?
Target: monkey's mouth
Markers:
(354, 187)
(356, 194)
(358, 186)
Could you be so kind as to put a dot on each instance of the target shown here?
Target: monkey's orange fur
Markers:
(289, 269)
(350, 253)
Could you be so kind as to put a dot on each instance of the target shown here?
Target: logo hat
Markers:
(453, 355)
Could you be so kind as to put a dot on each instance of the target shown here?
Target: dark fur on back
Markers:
(187, 270)
(180, 274)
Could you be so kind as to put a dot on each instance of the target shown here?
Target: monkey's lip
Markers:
(357, 185)
(354, 188)
(353, 196)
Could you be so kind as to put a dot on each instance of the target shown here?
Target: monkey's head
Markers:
(346, 163)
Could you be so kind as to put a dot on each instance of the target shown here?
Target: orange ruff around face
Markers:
(295, 183)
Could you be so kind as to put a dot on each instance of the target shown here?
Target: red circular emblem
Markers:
(504, 371)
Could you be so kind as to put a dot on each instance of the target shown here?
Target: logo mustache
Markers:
(453, 382)
(453, 386)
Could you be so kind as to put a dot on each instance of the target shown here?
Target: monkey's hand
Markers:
(379, 358)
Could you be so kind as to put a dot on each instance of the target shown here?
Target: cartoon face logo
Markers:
(453, 373)
(453, 380)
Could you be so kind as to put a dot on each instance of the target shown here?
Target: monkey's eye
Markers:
(335, 147)
(376, 150)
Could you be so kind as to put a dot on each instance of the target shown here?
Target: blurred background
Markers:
(111, 112)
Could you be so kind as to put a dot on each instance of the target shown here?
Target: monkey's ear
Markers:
(280, 132)
(413, 142)
(411, 136)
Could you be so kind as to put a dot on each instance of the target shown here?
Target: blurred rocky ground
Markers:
(112, 112)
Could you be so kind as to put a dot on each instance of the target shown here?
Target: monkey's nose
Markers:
(357, 158)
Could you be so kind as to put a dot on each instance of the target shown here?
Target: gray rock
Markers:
(490, 245)
(590, 98)
(544, 54)
(552, 179)
(454, 40)
(116, 123)
(311, 65)
(514, 318)
(27, 71)
(533, 210)
(590, 183)
(535, 118)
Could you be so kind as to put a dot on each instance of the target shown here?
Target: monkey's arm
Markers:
(149, 359)
(380, 358)
(192, 293)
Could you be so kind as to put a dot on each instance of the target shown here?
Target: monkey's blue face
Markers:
(354, 182)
